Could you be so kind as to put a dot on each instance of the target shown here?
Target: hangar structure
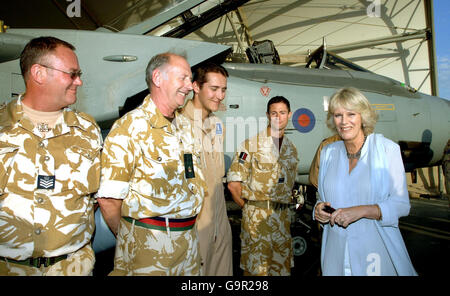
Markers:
(393, 38)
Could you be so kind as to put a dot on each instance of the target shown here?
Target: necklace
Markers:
(358, 153)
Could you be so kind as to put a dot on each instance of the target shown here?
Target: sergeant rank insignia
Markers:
(46, 182)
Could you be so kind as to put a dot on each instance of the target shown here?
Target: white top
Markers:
(375, 247)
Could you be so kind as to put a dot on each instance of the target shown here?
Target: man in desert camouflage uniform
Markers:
(151, 187)
(214, 230)
(261, 178)
(49, 166)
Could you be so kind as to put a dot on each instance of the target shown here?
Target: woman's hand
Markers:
(345, 216)
(320, 215)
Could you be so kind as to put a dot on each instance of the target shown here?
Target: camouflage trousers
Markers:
(266, 242)
(143, 251)
(79, 263)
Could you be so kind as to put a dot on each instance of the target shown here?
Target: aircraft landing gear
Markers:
(299, 245)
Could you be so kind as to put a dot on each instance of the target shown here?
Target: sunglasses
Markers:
(73, 75)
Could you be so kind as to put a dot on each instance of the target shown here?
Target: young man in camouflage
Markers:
(151, 187)
(210, 85)
(260, 179)
(49, 166)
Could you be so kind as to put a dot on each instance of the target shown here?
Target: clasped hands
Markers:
(342, 217)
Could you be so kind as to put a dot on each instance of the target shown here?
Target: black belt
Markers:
(36, 262)
(268, 204)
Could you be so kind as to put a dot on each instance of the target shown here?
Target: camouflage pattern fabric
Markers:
(148, 252)
(145, 162)
(214, 230)
(314, 168)
(79, 263)
(46, 209)
(265, 174)
(266, 247)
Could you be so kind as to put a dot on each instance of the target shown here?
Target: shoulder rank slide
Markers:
(188, 166)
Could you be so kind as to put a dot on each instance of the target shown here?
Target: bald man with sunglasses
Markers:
(49, 168)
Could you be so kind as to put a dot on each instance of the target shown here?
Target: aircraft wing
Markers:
(112, 65)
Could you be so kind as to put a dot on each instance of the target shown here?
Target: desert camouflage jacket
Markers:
(153, 165)
(46, 183)
(265, 172)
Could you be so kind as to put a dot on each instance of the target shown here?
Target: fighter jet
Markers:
(114, 63)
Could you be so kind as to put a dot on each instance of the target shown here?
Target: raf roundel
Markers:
(303, 120)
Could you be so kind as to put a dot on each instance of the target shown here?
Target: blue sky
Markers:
(442, 30)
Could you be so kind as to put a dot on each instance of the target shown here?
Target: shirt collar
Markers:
(15, 114)
(156, 118)
(210, 121)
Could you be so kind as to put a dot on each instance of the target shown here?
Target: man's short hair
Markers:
(278, 99)
(157, 62)
(201, 71)
(37, 50)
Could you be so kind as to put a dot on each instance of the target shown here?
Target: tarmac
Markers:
(426, 232)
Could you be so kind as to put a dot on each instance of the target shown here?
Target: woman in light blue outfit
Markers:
(363, 179)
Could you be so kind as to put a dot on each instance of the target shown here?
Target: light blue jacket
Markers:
(375, 247)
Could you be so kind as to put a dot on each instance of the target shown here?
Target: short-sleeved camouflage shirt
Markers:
(265, 172)
(46, 208)
(153, 165)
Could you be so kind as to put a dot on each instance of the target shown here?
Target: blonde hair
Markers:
(352, 99)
